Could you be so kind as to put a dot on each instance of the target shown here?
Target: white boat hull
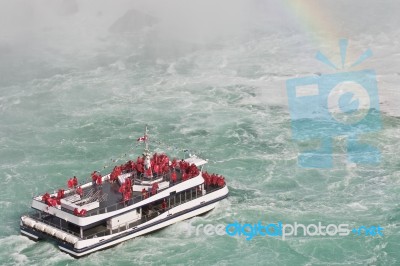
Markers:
(143, 232)
(181, 212)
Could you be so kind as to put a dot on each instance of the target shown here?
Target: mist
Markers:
(43, 38)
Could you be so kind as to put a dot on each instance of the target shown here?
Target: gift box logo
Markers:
(332, 105)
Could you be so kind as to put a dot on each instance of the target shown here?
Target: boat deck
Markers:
(109, 197)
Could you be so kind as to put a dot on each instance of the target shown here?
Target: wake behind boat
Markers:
(136, 198)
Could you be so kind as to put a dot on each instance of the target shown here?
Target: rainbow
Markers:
(314, 20)
(323, 30)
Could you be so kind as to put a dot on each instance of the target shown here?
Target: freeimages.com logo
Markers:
(330, 105)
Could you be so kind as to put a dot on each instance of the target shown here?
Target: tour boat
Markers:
(136, 198)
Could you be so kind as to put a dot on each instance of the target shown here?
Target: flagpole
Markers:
(145, 140)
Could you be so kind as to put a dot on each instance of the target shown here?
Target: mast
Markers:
(146, 153)
(146, 149)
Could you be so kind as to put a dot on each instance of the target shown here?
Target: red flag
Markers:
(144, 138)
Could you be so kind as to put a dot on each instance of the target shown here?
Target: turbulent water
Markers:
(76, 93)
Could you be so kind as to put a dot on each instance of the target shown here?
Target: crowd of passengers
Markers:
(159, 165)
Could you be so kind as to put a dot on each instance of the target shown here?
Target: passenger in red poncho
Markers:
(149, 173)
(144, 193)
(164, 205)
(156, 169)
(60, 194)
(99, 180)
(133, 166)
(140, 167)
(207, 178)
(45, 196)
(94, 177)
(128, 184)
(165, 168)
(80, 213)
(173, 177)
(121, 188)
(127, 195)
(174, 163)
(75, 181)
(185, 177)
(154, 189)
(79, 191)
(221, 181)
(213, 179)
(70, 183)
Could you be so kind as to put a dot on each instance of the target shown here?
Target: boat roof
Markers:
(196, 160)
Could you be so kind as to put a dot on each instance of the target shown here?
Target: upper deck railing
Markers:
(121, 204)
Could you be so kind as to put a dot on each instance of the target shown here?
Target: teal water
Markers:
(68, 112)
